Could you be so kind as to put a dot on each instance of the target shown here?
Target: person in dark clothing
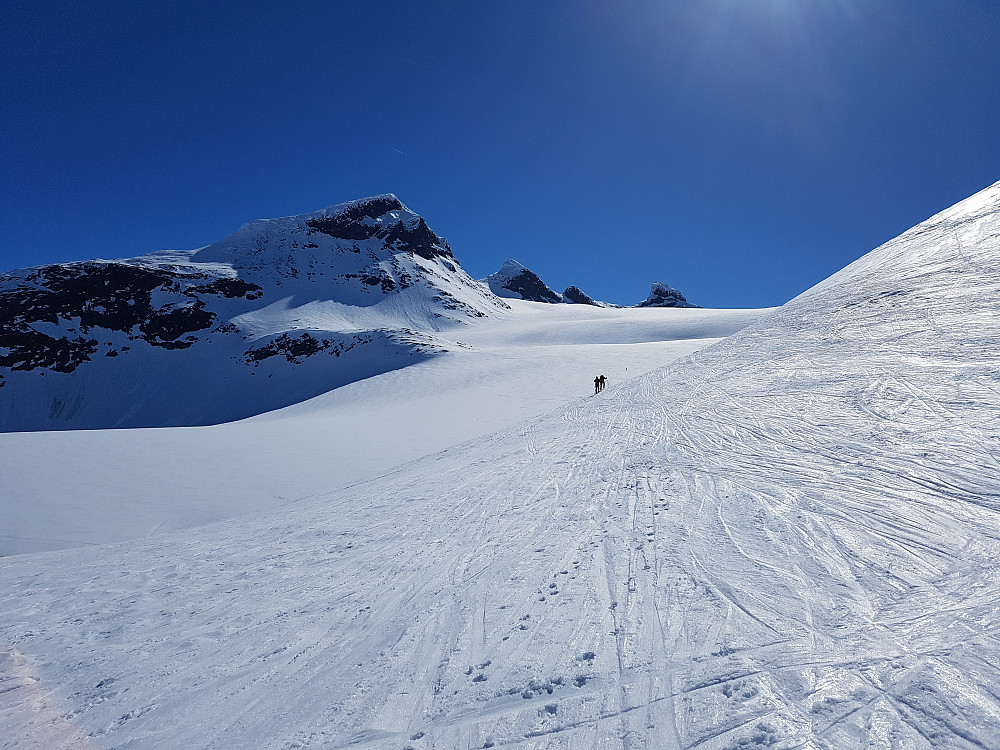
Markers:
(602, 380)
(597, 384)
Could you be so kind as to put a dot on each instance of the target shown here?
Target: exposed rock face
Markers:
(578, 297)
(515, 281)
(276, 295)
(363, 220)
(662, 295)
(349, 224)
(157, 306)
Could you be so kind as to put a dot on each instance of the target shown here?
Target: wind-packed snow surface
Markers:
(69, 488)
(788, 540)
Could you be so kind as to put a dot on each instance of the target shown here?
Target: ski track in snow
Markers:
(786, 541)
(104, 486)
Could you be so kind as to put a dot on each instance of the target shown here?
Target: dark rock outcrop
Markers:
(663, 295)
(578, 297)
(515, 281)
(362, 220)
(349, 224)
(155, 305)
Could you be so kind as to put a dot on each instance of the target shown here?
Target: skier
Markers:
(597, 385)
(602, 380)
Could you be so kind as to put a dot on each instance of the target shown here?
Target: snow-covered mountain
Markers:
(786, 540)
(278, 312)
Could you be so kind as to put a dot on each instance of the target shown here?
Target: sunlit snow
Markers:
(787, 540)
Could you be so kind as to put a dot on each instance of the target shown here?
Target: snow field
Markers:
(103, 486)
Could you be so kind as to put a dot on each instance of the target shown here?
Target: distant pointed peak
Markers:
(664, 295)
(512, 266)
(514, 281)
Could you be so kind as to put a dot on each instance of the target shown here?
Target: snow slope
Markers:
(68, 488)
(788, 540)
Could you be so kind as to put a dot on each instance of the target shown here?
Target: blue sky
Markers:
(739, 150)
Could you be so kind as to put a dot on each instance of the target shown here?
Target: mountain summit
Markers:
(382, 221)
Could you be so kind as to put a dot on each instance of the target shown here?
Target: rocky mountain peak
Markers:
(381, 217)
(664, 295)
(517, 282)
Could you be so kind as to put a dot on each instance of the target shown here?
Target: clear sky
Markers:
(739, 150)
